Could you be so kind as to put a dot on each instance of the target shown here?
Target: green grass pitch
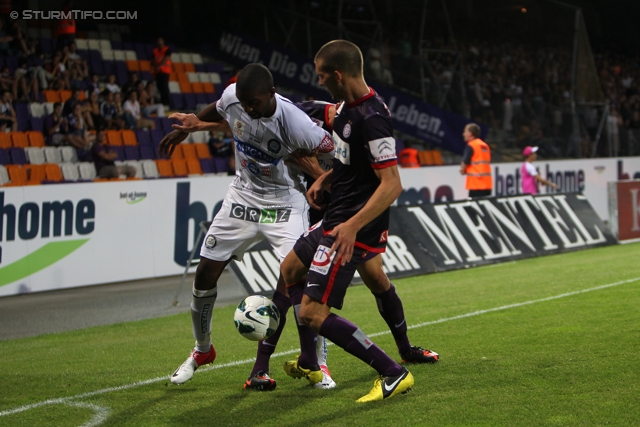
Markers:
(549, 341)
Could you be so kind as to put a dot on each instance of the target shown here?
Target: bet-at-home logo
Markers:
(62, 227)
(133, 197)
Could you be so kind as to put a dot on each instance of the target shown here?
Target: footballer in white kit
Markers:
(266, 199)
(267, 195)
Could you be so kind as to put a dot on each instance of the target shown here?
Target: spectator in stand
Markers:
(530, 175)
(146, 101)
(78, 134)
(133, 114)
(6, 80)
(223, 148)
(117, 103)
(75, 61)
(85, 109)
(108, 111)
(66, 30)
(104, 159)
(55, 127)
(24, 85)
(94, 84)
(8, 118)
(476, 163)
(59, 73)
(99, 122)
(131, 84)
(162, 68)
(19, 43)
(111, 85)
(5, 38)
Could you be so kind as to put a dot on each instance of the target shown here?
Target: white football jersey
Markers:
(262, 144)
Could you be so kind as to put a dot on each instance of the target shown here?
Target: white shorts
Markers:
(244, 221)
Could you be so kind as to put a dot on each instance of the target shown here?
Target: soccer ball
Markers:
(256, 318)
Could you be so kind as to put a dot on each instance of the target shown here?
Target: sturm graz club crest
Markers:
(346, 132)
(274, 145)
(210, 241)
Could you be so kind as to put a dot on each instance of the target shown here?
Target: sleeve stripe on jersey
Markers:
(384, 165)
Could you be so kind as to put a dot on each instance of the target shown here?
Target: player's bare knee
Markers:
(207, 274)
(292, 269)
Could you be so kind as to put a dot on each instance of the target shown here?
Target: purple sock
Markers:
(354, 341)
(268, 346)
(308, 337)
(390, 308)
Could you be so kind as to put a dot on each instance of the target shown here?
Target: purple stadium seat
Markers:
(96, 66)
(46, 45)
(131, 153)
(143, 137)
(207, 166)
(4, 157)
(116, 45)
(12, 63)
(36, 124)
(140, 51)
(190, 101)
(109, 67)
(212, 97)
(84, 54)
(17, 156)
(176, 101)
(399, 145)
(221, 164)
(22, 110)
(122, 74)
(201, 98)
(119, 150)
(147, 152)
(156, 136)
(127, 46)
(165, 124)
(146, 76)
(200, 68)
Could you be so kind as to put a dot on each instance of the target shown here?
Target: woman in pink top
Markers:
(530, 175)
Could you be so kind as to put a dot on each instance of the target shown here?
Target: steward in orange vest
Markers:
(476, 163)
(162, 68)
(408, 158)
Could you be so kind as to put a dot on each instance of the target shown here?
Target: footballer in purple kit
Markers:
(364, 182)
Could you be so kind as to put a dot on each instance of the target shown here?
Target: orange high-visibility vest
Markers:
(409, 158)
(479, 171)
(67, 26)
(158, 55)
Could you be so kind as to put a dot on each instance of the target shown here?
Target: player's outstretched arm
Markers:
(173, 138)
(387, 192)
(191, 123)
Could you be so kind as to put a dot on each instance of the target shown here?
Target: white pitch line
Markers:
(64, 400)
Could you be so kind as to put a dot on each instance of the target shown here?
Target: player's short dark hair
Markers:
(255, 78)
(474, 129)
(341, 55)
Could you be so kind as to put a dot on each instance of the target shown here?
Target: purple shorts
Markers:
(327, 282)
